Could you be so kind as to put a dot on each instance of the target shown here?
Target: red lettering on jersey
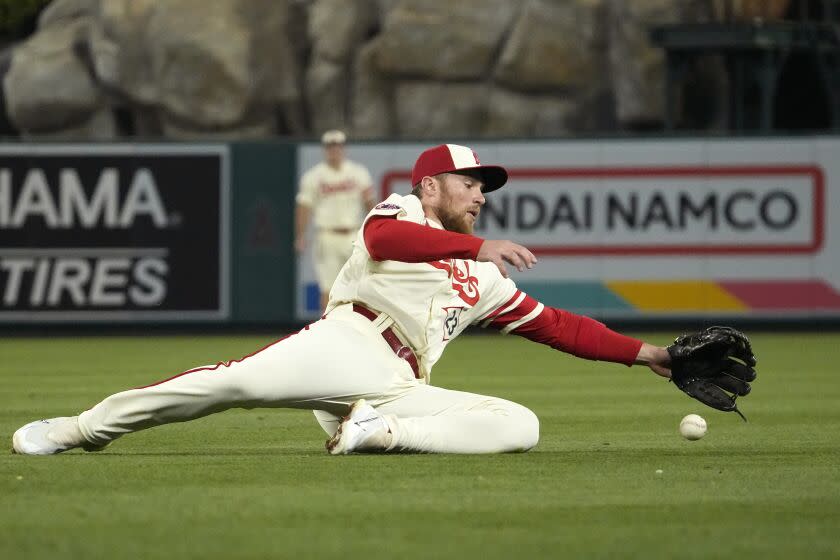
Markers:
(442, 265)
(467, 286)
(333, 188)
(462, 282)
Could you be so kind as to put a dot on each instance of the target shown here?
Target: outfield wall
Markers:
(201, 234)
(146, 233)
(657, 229)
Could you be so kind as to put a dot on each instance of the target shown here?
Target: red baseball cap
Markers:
(451, 158)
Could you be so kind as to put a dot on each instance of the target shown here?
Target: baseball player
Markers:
(335, 192)
(416, 279)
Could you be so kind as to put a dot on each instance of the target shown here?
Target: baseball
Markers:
(693, 427)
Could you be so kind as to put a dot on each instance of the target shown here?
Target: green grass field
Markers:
(258, 484)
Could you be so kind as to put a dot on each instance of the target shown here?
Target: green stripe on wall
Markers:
(575, 296)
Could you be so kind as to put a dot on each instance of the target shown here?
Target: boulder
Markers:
(513, 114)
(155, 54)
(7, 128)
(201, 72)
(337, 27)
(250, 128)
(635, 65)
(275, 49)
(440, 110)
(443, 39)
(554, 45)
(47, 86)
(379, 68)
(100, 126)
(120, 55)
(373, 113)
(289, 71)
(58, 12)
(326, 87)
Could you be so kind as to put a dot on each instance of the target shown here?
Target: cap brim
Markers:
(494, 177)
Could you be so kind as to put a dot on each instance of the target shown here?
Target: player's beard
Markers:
(450, 219)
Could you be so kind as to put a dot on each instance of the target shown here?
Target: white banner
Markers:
(613, 221)
(655, 210)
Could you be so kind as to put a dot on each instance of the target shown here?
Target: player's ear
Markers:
(429, 185)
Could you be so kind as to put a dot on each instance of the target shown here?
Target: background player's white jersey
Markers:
(447, 295)
(335, 194)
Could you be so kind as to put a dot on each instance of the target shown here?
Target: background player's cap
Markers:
(451, 158)
(333, 137)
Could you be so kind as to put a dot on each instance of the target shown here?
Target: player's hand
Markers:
(499, 252)
(660, 370)
(656, 358)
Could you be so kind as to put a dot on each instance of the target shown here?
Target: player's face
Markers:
(334, 154)
(461, 200)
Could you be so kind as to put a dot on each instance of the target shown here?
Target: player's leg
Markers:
(321, 262)
(332, 252)
(430, 419)
(326, 366)
(435, 420)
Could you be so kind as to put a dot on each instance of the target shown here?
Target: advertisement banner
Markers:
(649, 210)
(113, 233)
(654, 228)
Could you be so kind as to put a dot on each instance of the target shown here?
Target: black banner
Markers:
(112, 233)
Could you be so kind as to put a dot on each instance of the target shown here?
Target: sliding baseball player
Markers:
(417, 277)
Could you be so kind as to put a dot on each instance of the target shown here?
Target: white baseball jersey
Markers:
(430, 303)
(335, 194)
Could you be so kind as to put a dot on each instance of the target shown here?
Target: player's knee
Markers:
(522, 430)
(530, 429)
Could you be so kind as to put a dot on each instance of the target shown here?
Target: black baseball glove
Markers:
(714, 366)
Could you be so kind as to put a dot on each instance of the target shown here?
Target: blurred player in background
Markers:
(335, 194)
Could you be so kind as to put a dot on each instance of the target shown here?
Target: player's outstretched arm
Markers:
(575, 334)
(656, 358)
(390, 239)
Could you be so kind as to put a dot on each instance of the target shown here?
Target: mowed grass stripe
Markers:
(257, 484)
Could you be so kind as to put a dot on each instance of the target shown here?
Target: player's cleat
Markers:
(363, 429)
(51, 436)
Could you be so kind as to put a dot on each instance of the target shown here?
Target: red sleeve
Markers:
(389, 239)
(575, 334)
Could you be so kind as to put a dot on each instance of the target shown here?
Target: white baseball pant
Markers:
(331, 251)
(325, 367)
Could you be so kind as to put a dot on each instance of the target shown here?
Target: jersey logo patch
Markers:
(387, 206)
(462, 282)
(450, 323)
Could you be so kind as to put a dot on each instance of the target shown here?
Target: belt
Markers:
(401, 350)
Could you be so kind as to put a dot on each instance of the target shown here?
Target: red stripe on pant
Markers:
(220, 364)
